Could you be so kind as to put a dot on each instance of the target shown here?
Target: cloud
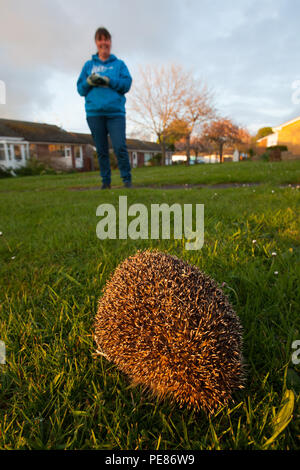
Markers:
(246, 51)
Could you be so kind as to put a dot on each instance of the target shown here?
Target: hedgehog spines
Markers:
(170, 328)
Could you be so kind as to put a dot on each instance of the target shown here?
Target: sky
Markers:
(246, 51)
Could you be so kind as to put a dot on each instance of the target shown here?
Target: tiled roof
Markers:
(41, 132)
(5, 131)
(36, 132)
(135, 144)
(82, 138)
(132, 144)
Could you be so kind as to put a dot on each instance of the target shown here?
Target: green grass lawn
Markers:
(243, 172)
(54, 394)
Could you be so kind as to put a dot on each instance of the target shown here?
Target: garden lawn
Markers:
(55, 394)
(278, 173)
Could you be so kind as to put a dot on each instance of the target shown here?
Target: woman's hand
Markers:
(97, 80)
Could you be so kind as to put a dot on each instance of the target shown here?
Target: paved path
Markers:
(181, 186)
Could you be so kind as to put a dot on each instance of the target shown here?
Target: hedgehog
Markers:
(170, 328)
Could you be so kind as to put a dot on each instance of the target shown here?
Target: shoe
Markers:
(105, 186)
(127, 184)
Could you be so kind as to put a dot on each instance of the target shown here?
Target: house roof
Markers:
(132, 144)
(287, 123)
(265, 137)
(83, 138)
(135, 144)
(42, 132)
(5, 131)
(35, 132)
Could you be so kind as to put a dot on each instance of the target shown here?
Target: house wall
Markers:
(290, 136)
(88, 157)
(140, 156)
(289, 156)
(130, 158)
(263, 143)
(51, 154)
(55, 156)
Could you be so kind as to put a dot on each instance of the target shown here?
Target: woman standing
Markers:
(103, 82)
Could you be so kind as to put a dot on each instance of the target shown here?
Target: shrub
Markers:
(156, 159)
(5, 172)
(265, 157)
(34, 167)
(251, 152)
(273, 153)
(282, 148)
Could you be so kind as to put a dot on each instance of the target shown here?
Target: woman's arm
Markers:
(123, 83)
(82, 85)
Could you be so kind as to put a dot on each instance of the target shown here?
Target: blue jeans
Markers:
(115, 126)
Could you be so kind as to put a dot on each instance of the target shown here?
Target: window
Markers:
(2, 152)
(68, 152)
(9, 151)
(147, 158)
(18, 154)
(57, 149)
(78, 151)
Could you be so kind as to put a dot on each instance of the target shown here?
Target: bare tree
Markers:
(156, 98)
(196, 109)
(168, 100)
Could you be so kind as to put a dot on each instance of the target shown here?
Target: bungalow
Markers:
(20, 140)
(48, 143)
(14, 150)
(141, 152)
(287, 134)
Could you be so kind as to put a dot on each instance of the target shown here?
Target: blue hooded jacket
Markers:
(105, 100)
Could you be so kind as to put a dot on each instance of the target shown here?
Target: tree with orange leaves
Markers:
(223, 131)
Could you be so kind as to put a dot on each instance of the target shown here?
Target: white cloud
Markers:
(246, 51)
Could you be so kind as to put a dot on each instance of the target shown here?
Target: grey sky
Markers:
(246, 51)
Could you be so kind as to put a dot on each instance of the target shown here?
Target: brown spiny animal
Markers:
(170, 328)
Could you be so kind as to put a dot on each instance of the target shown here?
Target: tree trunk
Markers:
(161, 141)
(221, 153)
(188, 149)
(163, 151)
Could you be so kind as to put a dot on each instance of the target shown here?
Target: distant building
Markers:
(231, 154)
(141, 152)
(48, 143)
(60, 149)
(287, 134)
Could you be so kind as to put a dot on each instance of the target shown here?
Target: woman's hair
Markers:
(102, 32)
